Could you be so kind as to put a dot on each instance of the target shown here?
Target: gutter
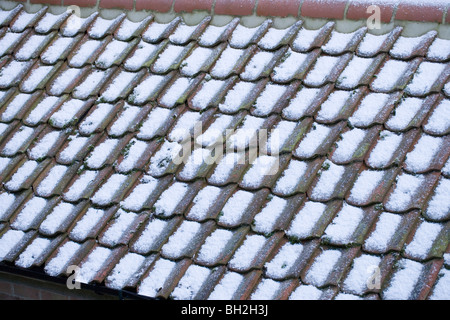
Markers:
(98, 289)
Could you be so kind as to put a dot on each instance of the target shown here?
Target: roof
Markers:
(350, 202)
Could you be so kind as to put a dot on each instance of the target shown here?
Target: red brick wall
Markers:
(333, 9)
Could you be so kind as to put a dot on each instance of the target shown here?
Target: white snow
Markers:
(32, 252)
(8, 41)
(128, 28)
(84, 90)
(405, 191)
(78, 187)
(112, 53)
(86, 223)
(127, 268)
(424, 238)
(207, 93)
(84, 52)
(306, 292)
(167, 58)
(15, 106)
(101, 153)
(154, 121)
(66, 113)
(152, 233)
(404, 280)
(439, 121)
(93, 265)
(279, 135)
(338, 42)
(235, 207)
(142, 54)
(59, 263)
(48, 184)
(154, 31)
(195, 162)
(57, 216)
(170, 199)
(439, 49)
(246, 134)
(75, 145)
(211, 35)
(30, 212)
(28, 49)
(266, 290)
(384, 149)
(424, 152)
(287, 69)
(181, 239)
(36, 77)
(291, 176)
(8, 241)
(157, 277)
(46, 23)
(370, 107)
(264, 221)
(215, 132)
(105, 195)
(260, 168)
(10, 72)
(146, 88)
(6, 201)
(22, 20)
(56, 49)
(425, 77)
(439, 205)
(343, 226)
(323, 265)
(353, 73)
(226, 62)
(365, 186)
(135, 201)
(225, 167)
(127, 118)
(361, 273)
(192, 64)
(349, 144)
(203, 201)
(333, 105)
(371, 43)
(300, 104)
(64, 79)
(185, 124)
(305, 38)
(132, 156)
(182, 33)
(122, 222)
(328, 180)
(95, 119)
(214, 245)
(404, 46)
(256, 65)
(323, 67)
(21, 175)
(268, 99)
(120, 83)
(242, 35)
(22, 136)
(272, 38)
(191, 283)
(441, 290)
(284, 260)
(236, 96)
(176, 91)
(99, 27)
(227, 286)
(304, 222)
(385, 229)
(164, 157)
(391, 72)
(312, 140)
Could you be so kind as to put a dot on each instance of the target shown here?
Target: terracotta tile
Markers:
(46, 186)
(153, 32)
(416, 12)
(420, 48)
(66, 80)
(81, 3)
(243, 36)
(316, 78)
(42, 150)
(11, 15)
(285, 36)
(197, 100)
(19, 198)
(11, 164)
(234, 7)
(18, 105)
(60, 48)
(386, 41)
(75, 25)
(287, 8)
(22, 69)
(28, 50)
(198, 53)
(25, 20)
(120, 86)
(159, 5)
(92, 83)
(117, 49)
(134, 62)
(347, 42)
(161, 66)
(188, 6)
(74, 194)
(44, 248)
(303, 41)
(35, 206)
(281, 75)
(23, 239)
(359, 11)
(86, 51)
(19, 140)
(129, 29)
(50, 228)
(47, 23)
(326, 9)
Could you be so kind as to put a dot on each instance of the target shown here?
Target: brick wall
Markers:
(16, 287)
(333, 9)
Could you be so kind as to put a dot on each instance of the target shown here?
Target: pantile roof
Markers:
(351, 201)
